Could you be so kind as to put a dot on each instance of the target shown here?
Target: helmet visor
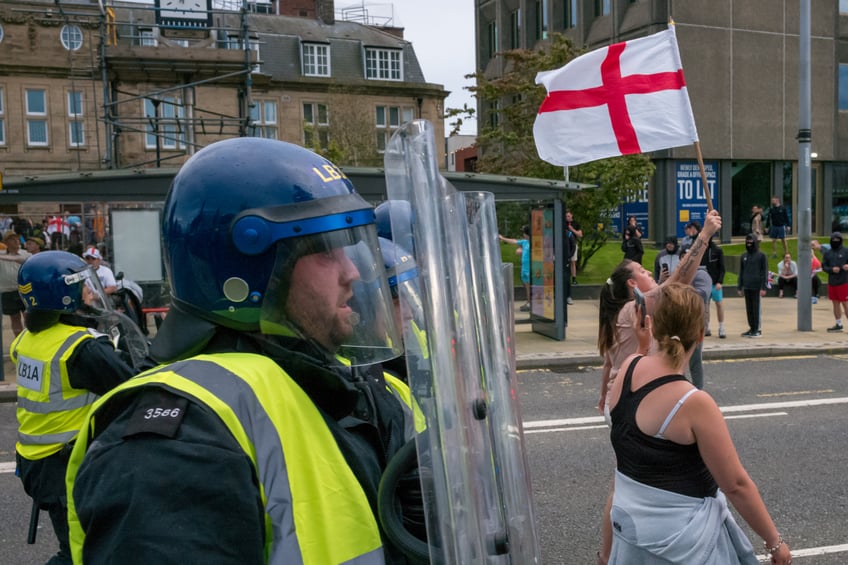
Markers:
(331, 288)
(93, 294)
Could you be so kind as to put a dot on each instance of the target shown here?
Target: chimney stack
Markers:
(325, 10)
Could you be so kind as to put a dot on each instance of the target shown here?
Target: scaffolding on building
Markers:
(173, 117)
(372, 14)
(255, 6)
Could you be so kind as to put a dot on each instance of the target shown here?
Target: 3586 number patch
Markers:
(157, 412)
(160, 412)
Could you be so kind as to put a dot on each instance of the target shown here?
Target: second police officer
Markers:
(62, 364)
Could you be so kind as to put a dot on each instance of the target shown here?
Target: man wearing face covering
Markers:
(667, 259)
(835, 264)
(753, 276)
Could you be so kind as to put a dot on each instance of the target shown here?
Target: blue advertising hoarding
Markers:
(690, 194)
(636, 207)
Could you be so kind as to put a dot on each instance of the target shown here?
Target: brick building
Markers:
(86, 85)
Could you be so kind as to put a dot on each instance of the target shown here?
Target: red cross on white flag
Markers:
(57, 224)
(622, 99)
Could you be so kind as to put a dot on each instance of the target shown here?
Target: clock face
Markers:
(191, 13)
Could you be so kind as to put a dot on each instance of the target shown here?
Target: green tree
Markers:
(457, 115)
(512, 216)
(507, 147)
(350, 131)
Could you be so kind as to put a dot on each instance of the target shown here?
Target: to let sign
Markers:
(690, 194)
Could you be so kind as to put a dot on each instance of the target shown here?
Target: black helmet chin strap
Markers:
(181, 335)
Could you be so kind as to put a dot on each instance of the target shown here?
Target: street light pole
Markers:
(804, 214)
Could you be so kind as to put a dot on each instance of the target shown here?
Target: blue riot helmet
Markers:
(240, 216)
(394, 222)
(402, 273)
(399, 264)
(58, 281)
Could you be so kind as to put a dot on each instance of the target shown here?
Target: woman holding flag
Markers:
(624, 99)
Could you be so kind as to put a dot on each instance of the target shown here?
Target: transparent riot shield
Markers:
(476, 480)
(125, 334)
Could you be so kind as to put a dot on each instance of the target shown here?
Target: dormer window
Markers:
(316, 59)
(383, 64)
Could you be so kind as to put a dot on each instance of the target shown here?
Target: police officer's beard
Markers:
(317, 322)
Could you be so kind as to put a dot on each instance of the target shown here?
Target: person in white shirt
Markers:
(93, 257)
(12, 305)
(787, 275)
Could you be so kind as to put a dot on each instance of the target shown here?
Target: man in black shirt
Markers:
(778, 219)
(753, 274)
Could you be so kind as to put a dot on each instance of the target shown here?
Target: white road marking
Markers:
(577, 428)
(590, 420)
(527, 432)
(767, 414)
(7, 467)
(811, 551)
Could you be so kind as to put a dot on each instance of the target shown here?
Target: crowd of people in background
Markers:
(65, 232)
(23, 238)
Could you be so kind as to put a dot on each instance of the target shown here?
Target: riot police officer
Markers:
(62, 364)
(259, 439)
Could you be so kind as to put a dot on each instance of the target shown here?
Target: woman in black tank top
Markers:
(676, 464)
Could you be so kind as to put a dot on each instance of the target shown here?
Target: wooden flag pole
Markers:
(707, 194)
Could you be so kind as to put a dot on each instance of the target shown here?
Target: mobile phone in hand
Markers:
(640, 303)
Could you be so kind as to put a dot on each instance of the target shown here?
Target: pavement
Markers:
(781, 337)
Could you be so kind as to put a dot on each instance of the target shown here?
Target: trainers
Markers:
(834, 329)
(525, 308)
(747, 334)
(573, 280)
(815, 299)
(708, 333)
(569, 301)
(755, 334)
(721, 334)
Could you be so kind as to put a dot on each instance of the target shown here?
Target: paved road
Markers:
(787, 415)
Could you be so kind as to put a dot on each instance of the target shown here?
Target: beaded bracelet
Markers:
(771, 550)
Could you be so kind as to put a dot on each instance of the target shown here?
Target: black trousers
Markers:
(788, 283)
(752, 308)
(44, 482)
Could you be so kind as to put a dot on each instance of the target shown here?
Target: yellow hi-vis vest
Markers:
(316, 512)
(50, 411)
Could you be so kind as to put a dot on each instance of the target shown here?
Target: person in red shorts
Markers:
(835, 264)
